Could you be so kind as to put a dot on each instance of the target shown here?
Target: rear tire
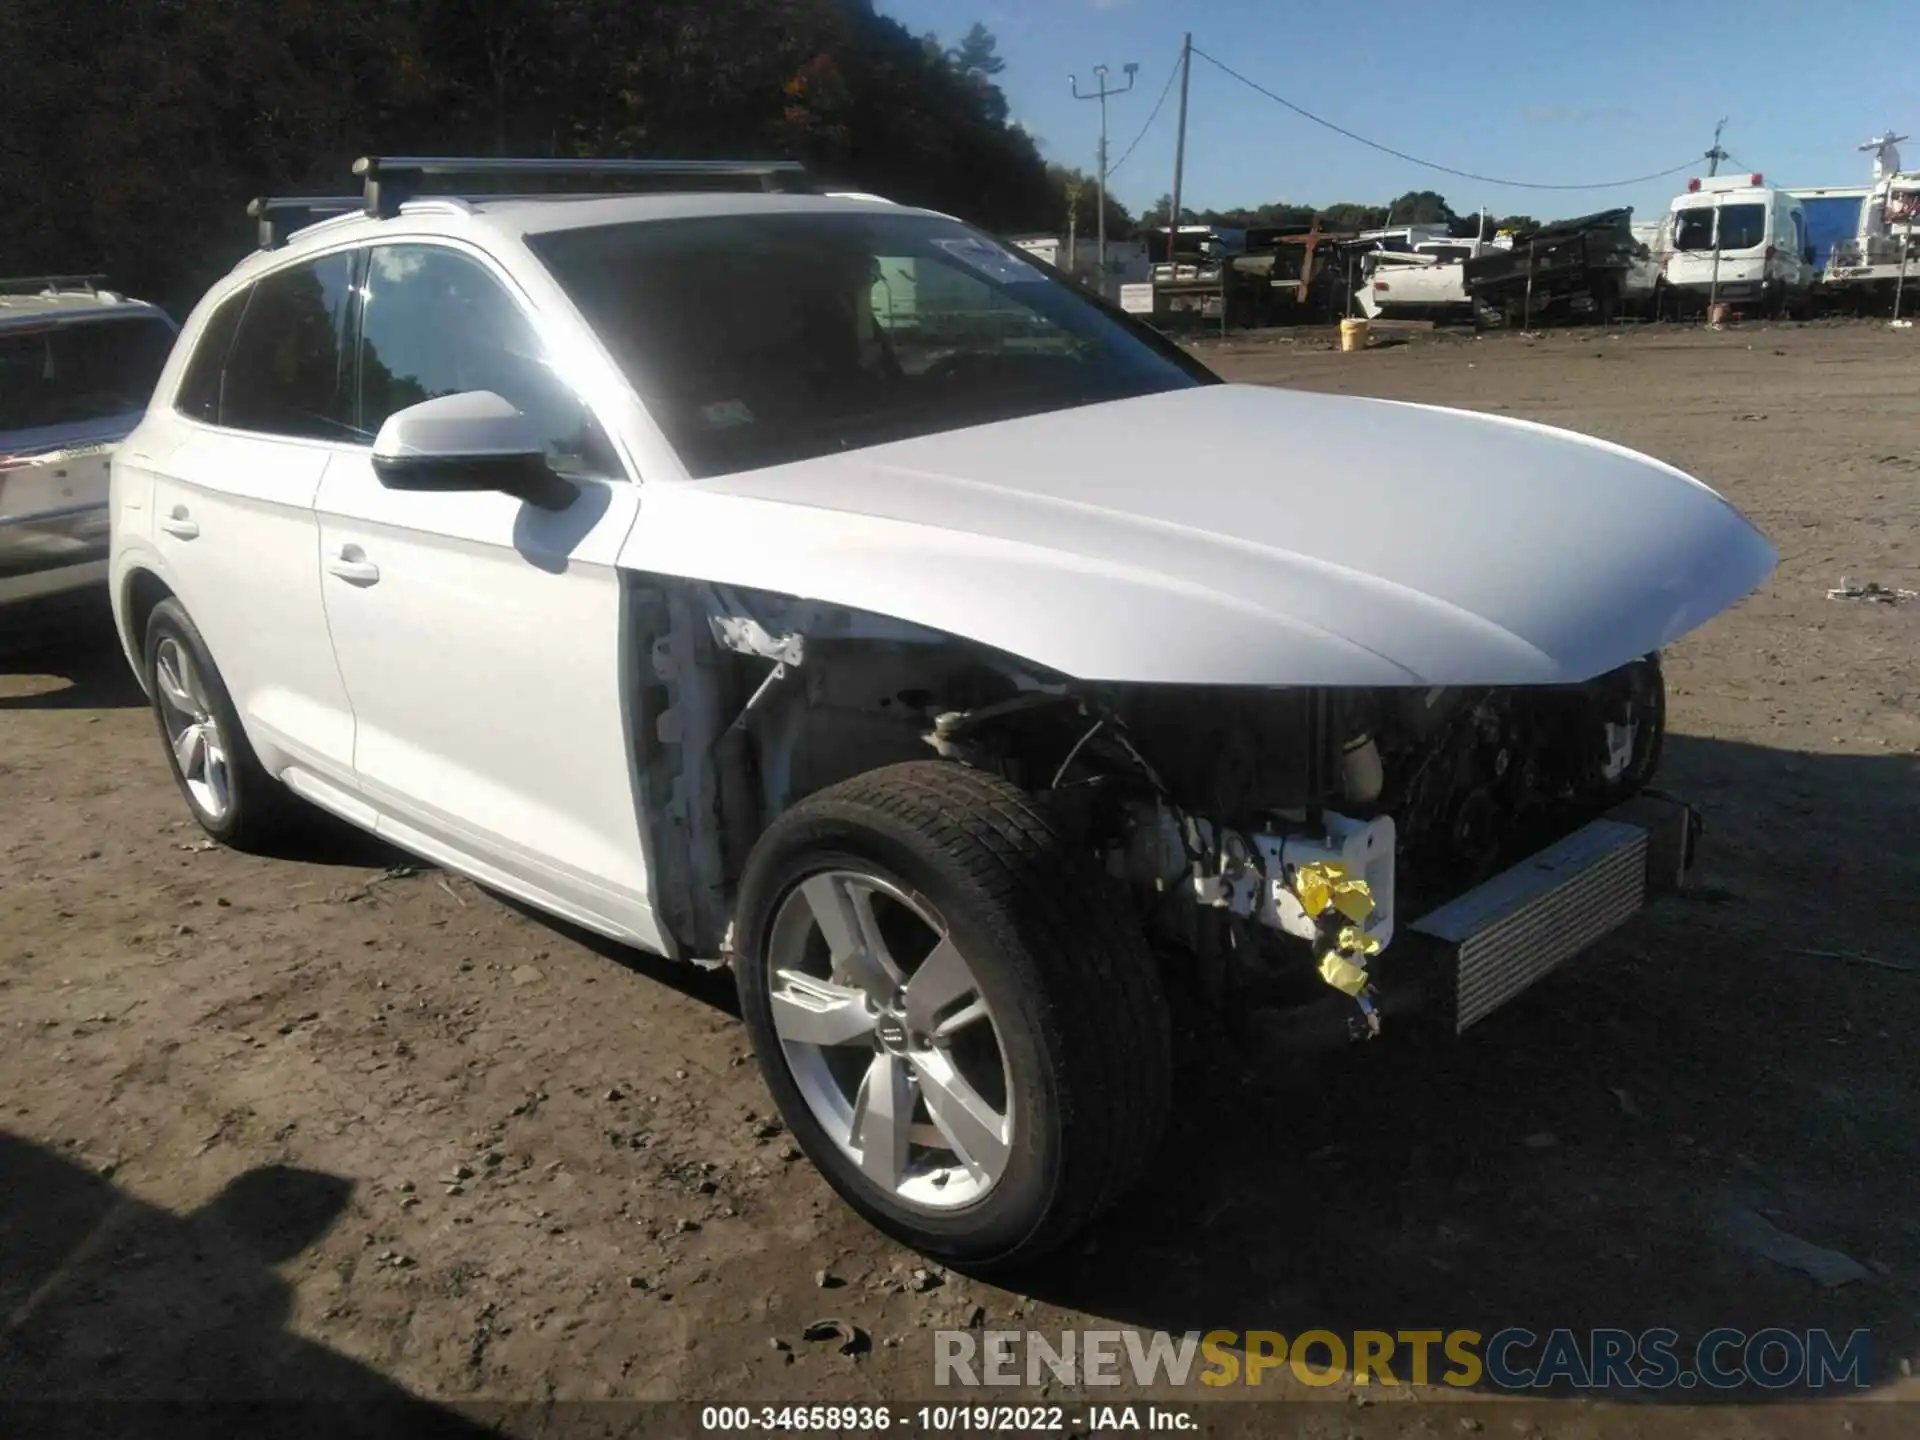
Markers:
(229, 792)
(979, 871)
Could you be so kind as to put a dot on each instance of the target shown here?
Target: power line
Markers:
(1431, 164)
(1164, 91)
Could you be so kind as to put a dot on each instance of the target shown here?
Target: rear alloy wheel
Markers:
(229, 792)
(955, 1010)
(192, 731)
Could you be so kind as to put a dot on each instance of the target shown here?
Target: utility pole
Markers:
(1714, 157)
(1716, 154)
(1075, 189)
(1900, 284)
(1180, 143)
(1101, 94)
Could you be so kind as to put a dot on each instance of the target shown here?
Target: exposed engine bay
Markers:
(1464, 774)
(1271, 835)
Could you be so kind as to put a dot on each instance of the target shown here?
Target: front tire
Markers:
(221, 779)
(955, 1010)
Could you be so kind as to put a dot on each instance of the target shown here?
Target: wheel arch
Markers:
(140, 592)
(741, 704)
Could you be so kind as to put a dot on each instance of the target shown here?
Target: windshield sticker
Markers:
(991, 261)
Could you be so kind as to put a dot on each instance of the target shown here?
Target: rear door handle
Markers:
(178, 522)
(352, 565)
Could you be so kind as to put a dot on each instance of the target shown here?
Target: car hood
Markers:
(1233, 534)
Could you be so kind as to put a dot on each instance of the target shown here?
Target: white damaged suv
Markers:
(816, 585)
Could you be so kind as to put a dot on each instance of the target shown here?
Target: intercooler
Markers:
(1504, 935)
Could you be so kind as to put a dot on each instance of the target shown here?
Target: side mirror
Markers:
(471, 441)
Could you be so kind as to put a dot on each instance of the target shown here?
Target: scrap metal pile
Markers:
(1571, 267)
(1268, 275)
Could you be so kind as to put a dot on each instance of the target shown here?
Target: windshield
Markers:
(64, 372)
(756, 340)
(1742, 227)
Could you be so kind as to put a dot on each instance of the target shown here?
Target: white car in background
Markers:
(1427, 282)
(77, 364)
(965, 684)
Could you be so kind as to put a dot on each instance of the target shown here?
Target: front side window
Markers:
(67, 372)
(286, 373)
(435, 322)
(759, 339)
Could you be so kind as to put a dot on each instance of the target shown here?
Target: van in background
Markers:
(1736, 239)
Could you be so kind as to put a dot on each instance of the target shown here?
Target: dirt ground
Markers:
(333, 1124)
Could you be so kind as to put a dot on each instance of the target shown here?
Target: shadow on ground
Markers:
(321, 838)
(67, 647)
(711, 987)
(104, 1298)
(1581, 1159)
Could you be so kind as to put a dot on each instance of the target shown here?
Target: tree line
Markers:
(133, 132)
(1076, 198)
(1416, 207)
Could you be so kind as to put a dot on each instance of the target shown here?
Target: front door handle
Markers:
(178, 522)
(352, 565)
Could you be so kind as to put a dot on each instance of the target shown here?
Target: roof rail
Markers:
(281, 215)
(389, 181)
(35, 284)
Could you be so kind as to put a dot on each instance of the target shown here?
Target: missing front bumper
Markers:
(1501, 937)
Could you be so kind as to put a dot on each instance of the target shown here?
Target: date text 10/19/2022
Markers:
(946, 1419)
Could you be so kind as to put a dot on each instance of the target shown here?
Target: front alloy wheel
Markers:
(954, 1008)
(883, 1025)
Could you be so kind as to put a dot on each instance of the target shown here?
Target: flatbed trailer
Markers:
(1269, 275)
(1571, 267)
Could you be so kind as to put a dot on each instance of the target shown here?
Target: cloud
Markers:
(1573, 114)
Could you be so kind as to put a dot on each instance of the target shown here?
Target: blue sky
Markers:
(1552, 91)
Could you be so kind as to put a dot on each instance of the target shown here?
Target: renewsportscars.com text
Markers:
(1510, 1359)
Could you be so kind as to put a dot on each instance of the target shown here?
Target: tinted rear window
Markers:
(79, 370)
(286, 373)
(1741, 227)
(199, 394)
